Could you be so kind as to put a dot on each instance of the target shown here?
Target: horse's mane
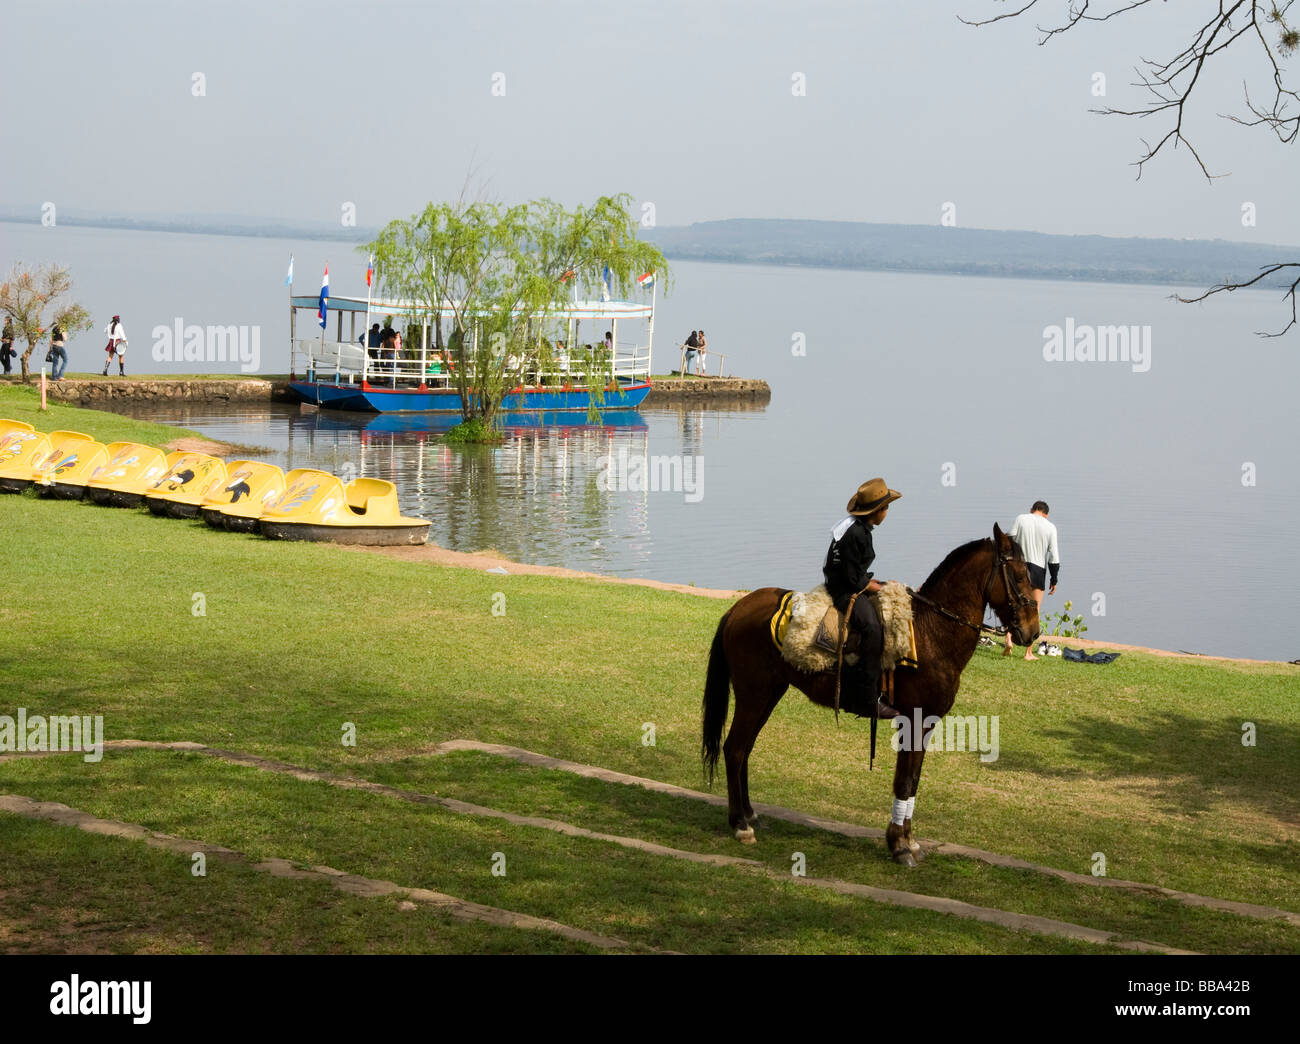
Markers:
(955, 557)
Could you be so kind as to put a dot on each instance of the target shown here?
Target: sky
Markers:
(306, 109)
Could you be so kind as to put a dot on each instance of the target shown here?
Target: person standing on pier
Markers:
(692, 345)
(116, 346)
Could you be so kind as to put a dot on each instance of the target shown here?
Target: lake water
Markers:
(1173, 482)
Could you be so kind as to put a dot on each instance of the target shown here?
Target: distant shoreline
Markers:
(855, 247)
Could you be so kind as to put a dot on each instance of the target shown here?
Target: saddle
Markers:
(809, 631)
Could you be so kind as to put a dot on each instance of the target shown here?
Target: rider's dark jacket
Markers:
(848, 561)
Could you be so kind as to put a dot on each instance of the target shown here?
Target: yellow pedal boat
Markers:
(131, 469)
(65, 470)
(180, 492)
(315, 505)
(238, 502)
(21, 446)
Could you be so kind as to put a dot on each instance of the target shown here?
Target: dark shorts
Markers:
(1037, 577)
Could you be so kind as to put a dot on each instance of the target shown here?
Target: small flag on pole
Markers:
(324, 296)
(370, 270)
(647, 279)
(288, 280)
(604, 288)
(567, 276)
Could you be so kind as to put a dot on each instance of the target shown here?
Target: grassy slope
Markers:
(23, 403)
(1141, 760)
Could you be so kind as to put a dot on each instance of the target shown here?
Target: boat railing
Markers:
(349, 363)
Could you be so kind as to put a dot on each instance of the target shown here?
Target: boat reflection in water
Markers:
(439, 424)
(534, 497)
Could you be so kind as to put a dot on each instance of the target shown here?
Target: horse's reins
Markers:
(1019, 599)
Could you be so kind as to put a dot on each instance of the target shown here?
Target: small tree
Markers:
(25, 297)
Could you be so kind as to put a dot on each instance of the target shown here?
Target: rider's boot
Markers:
(860, 689)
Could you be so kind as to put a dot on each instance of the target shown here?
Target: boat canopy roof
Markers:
(574, 310)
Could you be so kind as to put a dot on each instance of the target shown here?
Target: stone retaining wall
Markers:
(704, 389)
(107, 392)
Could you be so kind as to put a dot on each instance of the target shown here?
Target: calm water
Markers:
(937, 383)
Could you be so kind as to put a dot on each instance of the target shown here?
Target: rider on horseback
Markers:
(847, 573)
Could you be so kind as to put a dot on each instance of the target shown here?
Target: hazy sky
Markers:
(688, 105)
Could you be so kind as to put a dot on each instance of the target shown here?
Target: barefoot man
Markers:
(1037, 539)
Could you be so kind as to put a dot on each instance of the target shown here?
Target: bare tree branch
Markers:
(1170, 84)
(1265, 272)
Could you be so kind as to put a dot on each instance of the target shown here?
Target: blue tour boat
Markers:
(338, 374)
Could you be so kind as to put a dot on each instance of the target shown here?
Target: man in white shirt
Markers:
(1037, 539)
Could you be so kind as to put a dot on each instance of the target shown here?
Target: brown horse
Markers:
(947, 614)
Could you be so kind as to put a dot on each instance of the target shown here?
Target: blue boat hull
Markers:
(372, 399)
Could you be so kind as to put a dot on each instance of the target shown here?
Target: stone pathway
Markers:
(894, 897)
(353, 884)
(789, 815)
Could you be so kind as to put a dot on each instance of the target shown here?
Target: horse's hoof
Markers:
(903, 857)
(745, 835)
(914, 848)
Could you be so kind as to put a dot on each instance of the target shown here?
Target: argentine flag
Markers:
(324, 296)
(288, 280)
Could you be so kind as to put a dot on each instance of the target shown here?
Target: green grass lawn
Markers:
(1141, 760)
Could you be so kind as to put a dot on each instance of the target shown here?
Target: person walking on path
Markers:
(1037, 539)
(7, 344)
(116, 346)
(58, 354)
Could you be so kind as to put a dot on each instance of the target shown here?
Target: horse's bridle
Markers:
(1019, 600)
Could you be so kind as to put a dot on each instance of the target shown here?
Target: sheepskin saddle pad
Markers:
(806, 628)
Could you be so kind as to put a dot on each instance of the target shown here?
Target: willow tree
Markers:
(504, 277)
(25, 297)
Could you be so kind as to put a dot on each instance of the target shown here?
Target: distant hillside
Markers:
(198, 224)
(830, 244)
(970, 251)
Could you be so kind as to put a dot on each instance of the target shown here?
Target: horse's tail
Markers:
(717, 695)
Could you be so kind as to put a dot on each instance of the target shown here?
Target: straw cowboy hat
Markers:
(871, 496)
